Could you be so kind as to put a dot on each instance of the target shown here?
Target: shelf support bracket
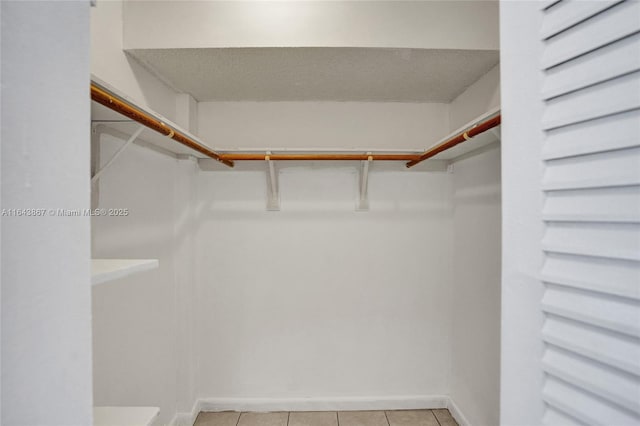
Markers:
(133, 137)
(273, 194)
(363, 200)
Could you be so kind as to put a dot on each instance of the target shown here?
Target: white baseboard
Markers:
(321, 404)
(457, 414)
(324, 404)
(187, 419)
(182, 419)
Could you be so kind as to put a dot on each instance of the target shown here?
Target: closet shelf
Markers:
(116, 111)
(104, 270)
(124, 416)
(477, 133)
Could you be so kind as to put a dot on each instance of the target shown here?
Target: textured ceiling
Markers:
(319, 73)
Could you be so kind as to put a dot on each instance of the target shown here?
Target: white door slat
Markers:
(611, 97)
(619, 241)
(554, 417)
(546, 4)
(569, 13)
(571, 399)
(615, 386)
(616, 278)
(613, 313)
(610, 169)
(608, 27)
(601, 345)
(600, 135)
(618, 204)
(593, 68)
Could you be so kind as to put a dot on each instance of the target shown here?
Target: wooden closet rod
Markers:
(122, 106)
(126, 108)
(462, 137)
(319, 157)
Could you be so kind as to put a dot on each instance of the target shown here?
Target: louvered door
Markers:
(591, 212)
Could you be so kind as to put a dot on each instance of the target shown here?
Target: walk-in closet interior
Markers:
(321, 213)
(296, 279)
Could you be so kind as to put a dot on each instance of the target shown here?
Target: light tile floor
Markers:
(440, 417)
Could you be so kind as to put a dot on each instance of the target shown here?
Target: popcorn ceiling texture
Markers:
(319, 73)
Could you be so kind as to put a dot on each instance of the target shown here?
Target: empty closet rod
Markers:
(320, 157)
(126, 108)
(462, 137)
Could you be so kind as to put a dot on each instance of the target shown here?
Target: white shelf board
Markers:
(124, 416)
(122, 124)
(101, 115)
(475, 143)
(104, 270)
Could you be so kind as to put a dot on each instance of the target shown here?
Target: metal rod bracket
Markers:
(273, 194)
(120, 150)
(362, 204)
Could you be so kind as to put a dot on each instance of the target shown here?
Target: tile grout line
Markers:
(288, 417)
(435, 417)
(338, 418)
(387, 417)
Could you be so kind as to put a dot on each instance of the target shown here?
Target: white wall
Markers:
(475, 379)
(428, 24)
(322, 125)
(46, 302)
(185, 193)
(477, 99)
(111, 64)
(318, 300)
(143, 355)
(141, 323)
